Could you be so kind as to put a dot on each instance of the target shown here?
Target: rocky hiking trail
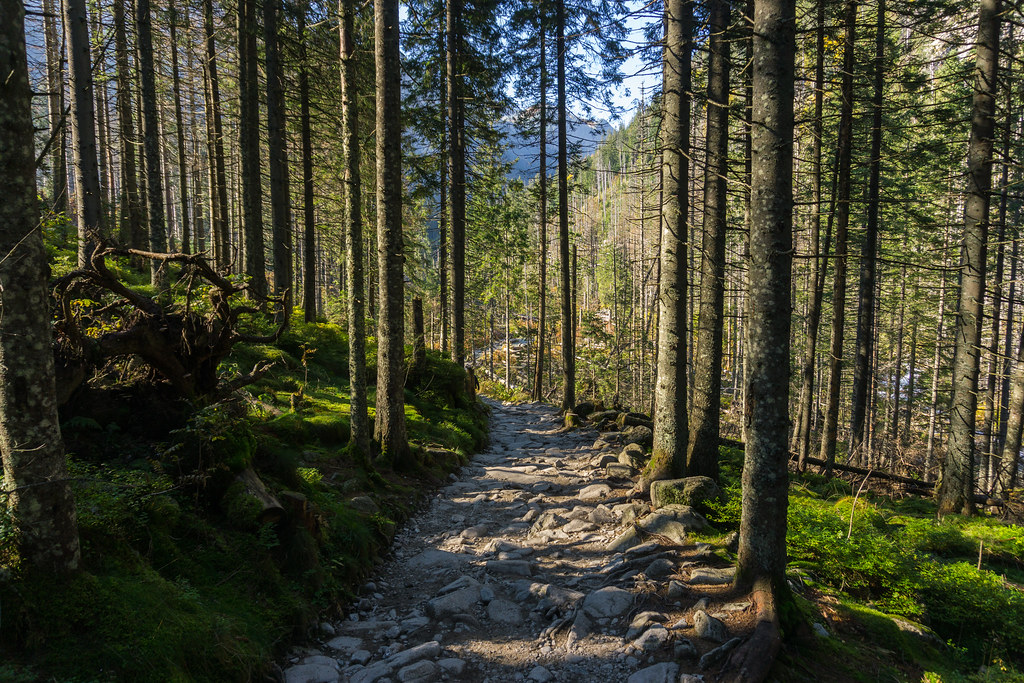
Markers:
(535, 564)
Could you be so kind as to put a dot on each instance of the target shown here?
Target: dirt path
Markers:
(533, 565)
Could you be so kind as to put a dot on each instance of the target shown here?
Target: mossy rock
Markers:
(696, 492)
(164, 511)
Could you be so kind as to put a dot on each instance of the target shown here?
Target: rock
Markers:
(601, 515)
(820, 630)
(361, 657)
(640, 435)
(414, 624)
(457, 602)
(486, 594)
(581, 627)
(477, 531)
(327, 628)
(675, 590)
(345, 644)
(364, 504)
(422, 671)
(315, 669)
(452, 666)
(572, 420)
(607, 602)
(679, 623)
(437, 559)
(505, 612)
(540, 675)
(578, 526)
(642, 621)
(595, 492)
(619, 471)
(632, 455)
(602, 461)
(707, 627)
(461, 582)
(548, 520)
(732, 542)
(693, 491)
(515, 567)
(684, 649)
(717, 656)
(713, 577)
(918, 631)
(736, 606)
(652, 639)
(674, 522)
(627, 512)
(584, 409)
(660, 568)
(665, 672)
(627, 539)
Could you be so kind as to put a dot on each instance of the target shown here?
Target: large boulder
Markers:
(633, 455)
(608, 602)
(693, 491)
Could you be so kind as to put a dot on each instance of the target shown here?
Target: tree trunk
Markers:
(830, 427)
(568, 342)
(702, 459)
(442, 217)
(220, 226)
(308, 215)
(542, 246)
(670, 418)
(762, 547)
(897, 375)
(131, 227)
(83, 132)
(457, 170)
(55, 104)
(151, 133)
(819, 256)
(39, 498)
(280, 194)
(352, 220)
(249, 147)
(956, 486)
(183, 192)
(869, 251)
(389, 429)
(1010, 457)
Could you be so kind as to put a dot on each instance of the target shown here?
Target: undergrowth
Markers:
(881, 557)
(188, 576)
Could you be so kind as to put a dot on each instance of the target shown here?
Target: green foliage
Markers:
(216, 438)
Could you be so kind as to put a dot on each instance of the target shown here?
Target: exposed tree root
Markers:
(751, 661)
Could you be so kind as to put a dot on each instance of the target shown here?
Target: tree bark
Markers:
(183, 191)
(956, 486)
(151, 133)
(457, 173)
(702, 458)
(830, 427)
(389, 429)
(869, 251)
(308, 214)
(39, 497)
(220, 230)
(819, 257)
(542, 242)
(133, 232)
(55, 104)
(670, 416)
(249, 147)
(568, 401)
(762, 546)
(352, 219)
(83, 130)
(277, 143)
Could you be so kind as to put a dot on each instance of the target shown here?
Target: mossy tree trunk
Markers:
(389, 429)
(353, 221)
(35, 479)
(702, 458)
(957, 485)
(670, 418)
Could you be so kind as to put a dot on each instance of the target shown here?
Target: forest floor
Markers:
(529, 566)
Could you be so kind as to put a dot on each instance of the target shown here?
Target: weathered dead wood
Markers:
(182, 345)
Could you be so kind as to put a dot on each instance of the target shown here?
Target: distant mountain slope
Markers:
(524, 150)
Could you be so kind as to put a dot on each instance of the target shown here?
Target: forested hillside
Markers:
(740, 282)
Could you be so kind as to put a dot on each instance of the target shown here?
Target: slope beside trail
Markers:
(533, 565)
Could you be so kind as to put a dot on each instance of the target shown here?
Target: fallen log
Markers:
(878, 474)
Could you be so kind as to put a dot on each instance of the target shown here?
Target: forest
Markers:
(555, 289)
